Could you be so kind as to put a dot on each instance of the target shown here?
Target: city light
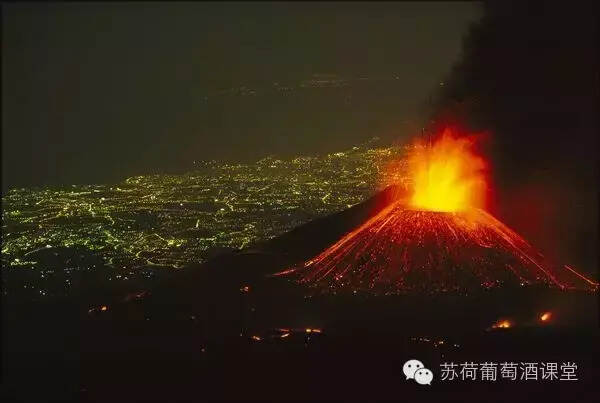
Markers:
(169, 221)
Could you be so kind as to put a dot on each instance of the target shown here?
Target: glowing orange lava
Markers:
(439, 238)
(502, 324)
(448, 175)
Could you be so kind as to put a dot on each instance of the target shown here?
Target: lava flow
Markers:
(437, 240)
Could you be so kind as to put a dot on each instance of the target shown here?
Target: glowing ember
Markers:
(448, 176)
(581, 276)
(502, 324)
(104, 308)
(546, 316)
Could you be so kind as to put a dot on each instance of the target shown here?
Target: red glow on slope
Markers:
(438, 239)
(403, 250)
(581, 276)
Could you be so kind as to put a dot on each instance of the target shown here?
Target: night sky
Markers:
(98, 92)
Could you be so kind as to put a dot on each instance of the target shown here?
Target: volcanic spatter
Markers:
(437, 240)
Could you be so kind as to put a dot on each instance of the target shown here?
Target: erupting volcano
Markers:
(436, 240)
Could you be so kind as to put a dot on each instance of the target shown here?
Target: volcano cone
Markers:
(403, 250)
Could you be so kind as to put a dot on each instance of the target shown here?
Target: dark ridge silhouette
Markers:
(252, 265)
(310, 238)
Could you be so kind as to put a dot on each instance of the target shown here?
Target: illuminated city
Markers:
(299, 201)
(170, 221)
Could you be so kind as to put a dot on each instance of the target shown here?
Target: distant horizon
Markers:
(221, 161)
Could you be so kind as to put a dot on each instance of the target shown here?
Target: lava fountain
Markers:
(439, 239)
(449, 176)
